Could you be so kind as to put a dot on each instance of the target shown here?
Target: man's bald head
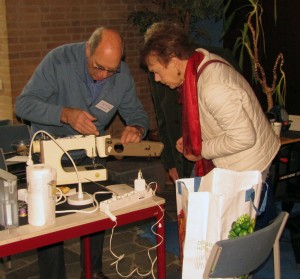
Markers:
(106, 38)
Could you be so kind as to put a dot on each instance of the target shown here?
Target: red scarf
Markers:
(192, 140)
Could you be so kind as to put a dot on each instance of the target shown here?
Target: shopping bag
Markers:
(207, 207)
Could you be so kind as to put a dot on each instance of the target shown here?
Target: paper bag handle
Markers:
(264, 201)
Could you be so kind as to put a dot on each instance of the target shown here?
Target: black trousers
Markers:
(51, 258)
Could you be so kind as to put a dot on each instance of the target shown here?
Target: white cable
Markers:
(152, 261)
(60, 197)
(95, 203)
(149, 185)
(95, 207)
(78, 211)
(30, 162)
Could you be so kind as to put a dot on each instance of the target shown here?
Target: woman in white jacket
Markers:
(222, 118)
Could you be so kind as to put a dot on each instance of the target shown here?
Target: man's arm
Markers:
(33, 103)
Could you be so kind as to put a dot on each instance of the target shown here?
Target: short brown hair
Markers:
(166, 40)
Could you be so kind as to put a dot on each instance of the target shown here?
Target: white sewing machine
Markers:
(52, 152)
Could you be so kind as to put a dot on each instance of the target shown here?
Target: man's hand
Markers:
(131, 134)
(190, 157)
(79, 120)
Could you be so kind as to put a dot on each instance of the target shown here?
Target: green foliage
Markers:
(252, 42)
(143, 19)
(200, 9)
(186, 12)
(280, 90)
(244, 40)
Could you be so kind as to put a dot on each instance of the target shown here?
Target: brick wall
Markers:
(36, 26)
(6, 110)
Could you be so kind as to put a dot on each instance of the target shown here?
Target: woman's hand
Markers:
(193, 158)
(179, 145)
(190, 157)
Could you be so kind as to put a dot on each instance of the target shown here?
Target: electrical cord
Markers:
(80, 193)
(122, 256)
(62, 198)
(95, 205)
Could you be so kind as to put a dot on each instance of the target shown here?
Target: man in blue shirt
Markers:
(77, 89)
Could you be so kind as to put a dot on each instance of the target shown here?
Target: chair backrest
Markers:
(242, 255)
(5, 122)
(11, 133)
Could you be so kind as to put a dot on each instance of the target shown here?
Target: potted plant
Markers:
(250, 40)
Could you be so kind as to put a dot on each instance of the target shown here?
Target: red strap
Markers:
(207, 63)
(204, 166)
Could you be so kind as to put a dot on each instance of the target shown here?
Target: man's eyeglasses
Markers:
(109, 71)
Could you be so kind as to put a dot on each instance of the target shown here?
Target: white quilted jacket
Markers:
(235, 132)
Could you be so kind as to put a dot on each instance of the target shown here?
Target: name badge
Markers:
(104, 106)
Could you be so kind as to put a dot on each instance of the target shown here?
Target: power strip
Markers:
(121, 201)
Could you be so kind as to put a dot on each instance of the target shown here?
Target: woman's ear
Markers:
(175, 61)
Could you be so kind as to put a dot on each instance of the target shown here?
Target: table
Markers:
(289, 140)
(29, 237)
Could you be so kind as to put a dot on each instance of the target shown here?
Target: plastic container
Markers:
(9, 217)
(41, 196)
